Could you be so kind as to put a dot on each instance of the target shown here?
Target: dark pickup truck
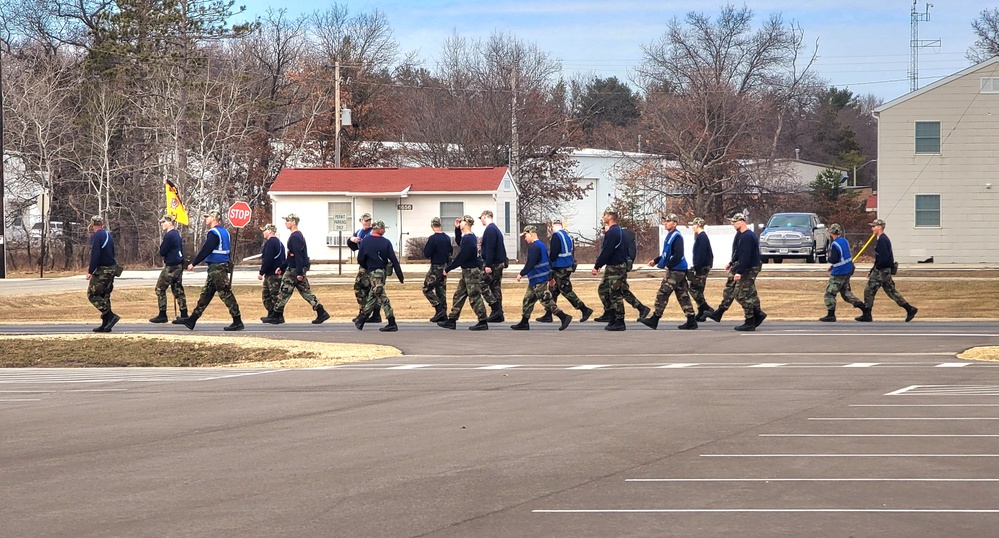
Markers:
(794, 235)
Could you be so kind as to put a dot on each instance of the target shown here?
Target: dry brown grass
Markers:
(985, 353)
(782, 298)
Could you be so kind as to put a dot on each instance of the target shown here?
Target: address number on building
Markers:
(404, 207)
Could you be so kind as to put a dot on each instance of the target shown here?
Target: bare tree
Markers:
(986, 29)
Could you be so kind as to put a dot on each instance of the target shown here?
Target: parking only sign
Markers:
(339, 222)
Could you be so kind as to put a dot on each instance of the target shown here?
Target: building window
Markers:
(927, 137)
(990, 84)
(506, 217)
(507, 184)
(928, 210)
(450, 212)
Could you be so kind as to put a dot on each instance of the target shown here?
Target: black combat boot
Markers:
(268, 317)
(689, 325)
(910, 311)
(112, 319)
(748, 325)
(359, 321)
(565, 319)
(482, 325)
(391, 327)
(104, 323)
(587, 312)
(547, 318)
(160, 318)
(496, 316)
(440, 314)
(830, 315)
(616, 325)
(376, 316)
(865, 315)
(651, 322)
(643, 312)
(181, 318)
(703, 311)
(191, 320)
(276, 319)
(448, 323)
(606, 317)
(524, 325)
(321, 315)
(758, 316)
(717, 314)
(236, 325)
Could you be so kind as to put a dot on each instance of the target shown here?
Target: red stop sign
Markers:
(239, 214)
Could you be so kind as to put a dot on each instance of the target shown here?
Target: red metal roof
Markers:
(388, 179)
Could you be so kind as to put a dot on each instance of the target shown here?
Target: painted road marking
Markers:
(947, 390)
(680, 365)
(876, 435)
(589, 367)
(901, 418)
(860, 365)
(410, 366)
(811, 480)
(768, 511)
(769, 365)
(953, 365)
(849, 455)
(498, 367)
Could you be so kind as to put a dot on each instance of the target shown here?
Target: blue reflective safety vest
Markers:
(845, 264)
(542, 271)
(220, 254)
(668, 252)
(565, 257)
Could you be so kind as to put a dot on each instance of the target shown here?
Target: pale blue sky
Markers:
(862, 44)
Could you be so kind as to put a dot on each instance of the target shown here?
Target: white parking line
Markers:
(924, 405)
(680, 365)
(953, 365)
(769, 365)
(22, 400)
(409, 366)
(849, 455)
(860, 364)
(498, 367)
(768, 511)
(811, 480)
(589, 367)
(899, 418)
(876, 435)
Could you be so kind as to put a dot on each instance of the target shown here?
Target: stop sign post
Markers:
(239, 216)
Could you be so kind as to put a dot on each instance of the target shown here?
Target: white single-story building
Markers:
(330, 201)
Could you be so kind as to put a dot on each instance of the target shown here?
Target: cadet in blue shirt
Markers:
(840, 271)
(272, 264)
(374, 255)
(217, 252)
(880, 276)
(294, 276)
(470, 286)
(172, 275)
(103, 268)
(746, 268)
(494, 260)
(438, 250)
(697, 276)
(563, 262)
(362, 284)
(675, 280)
(537, 269)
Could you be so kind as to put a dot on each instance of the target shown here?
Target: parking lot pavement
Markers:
(657, 434)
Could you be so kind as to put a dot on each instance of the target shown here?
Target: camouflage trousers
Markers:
(840, 285)
(270, 292)
(217, 282)
(728, 294)
(698, 280)
(470, 288)
(435, 286)
(613, 287)
(881, 278)
(100, 287)
(290, 283)
(539, 292)
(376, 296)
(561, 284)
(492, 292)
(362, 285)
(172, 277)
(745, 291)
(675, 282)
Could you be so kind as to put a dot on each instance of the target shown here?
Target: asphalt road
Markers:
(799, 429)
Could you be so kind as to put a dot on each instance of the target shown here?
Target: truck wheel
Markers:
(764, 259)
(822, 258)
(811, 257)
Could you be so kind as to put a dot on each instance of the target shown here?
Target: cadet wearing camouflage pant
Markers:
(272, 262)
(470, 285)
(438, 250)
(103, 268)
(697, 276)
(563, 264)
(880, 276)
(728, 293)
(626, 294)
(294, 277)
(675, 281)
(216, 251)
(613, 255)
(494, 260)
(375, 254)
(840, 271)
(745, 271)
(362, 284)
(537, 269)
(172, 275)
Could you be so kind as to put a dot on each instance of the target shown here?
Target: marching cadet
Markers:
(294, 277)
(840, 270)
(272, 263)
(537, 269)
(216, 251)
(675, 280)
(880, 276)
(103, 268)
(172, 275)
(494, 260)
(613, 255)
(470, 285)
(626, 294)
(374, 254)
(438, 250)
(563, 264)
(728, 292)
(362, 285)
(697, 276)
(744, 273)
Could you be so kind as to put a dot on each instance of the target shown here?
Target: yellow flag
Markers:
(174, 206)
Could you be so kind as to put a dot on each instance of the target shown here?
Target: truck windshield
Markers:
(790, 221)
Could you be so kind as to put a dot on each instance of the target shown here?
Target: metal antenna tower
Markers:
(915, 43)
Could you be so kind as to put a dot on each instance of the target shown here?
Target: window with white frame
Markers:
(990, 85)
(927, 137)
(450, 212)
(928, 210)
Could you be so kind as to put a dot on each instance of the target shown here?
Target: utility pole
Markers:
(915, 44)
(3, 189)
(514, 136)
(336, 144)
